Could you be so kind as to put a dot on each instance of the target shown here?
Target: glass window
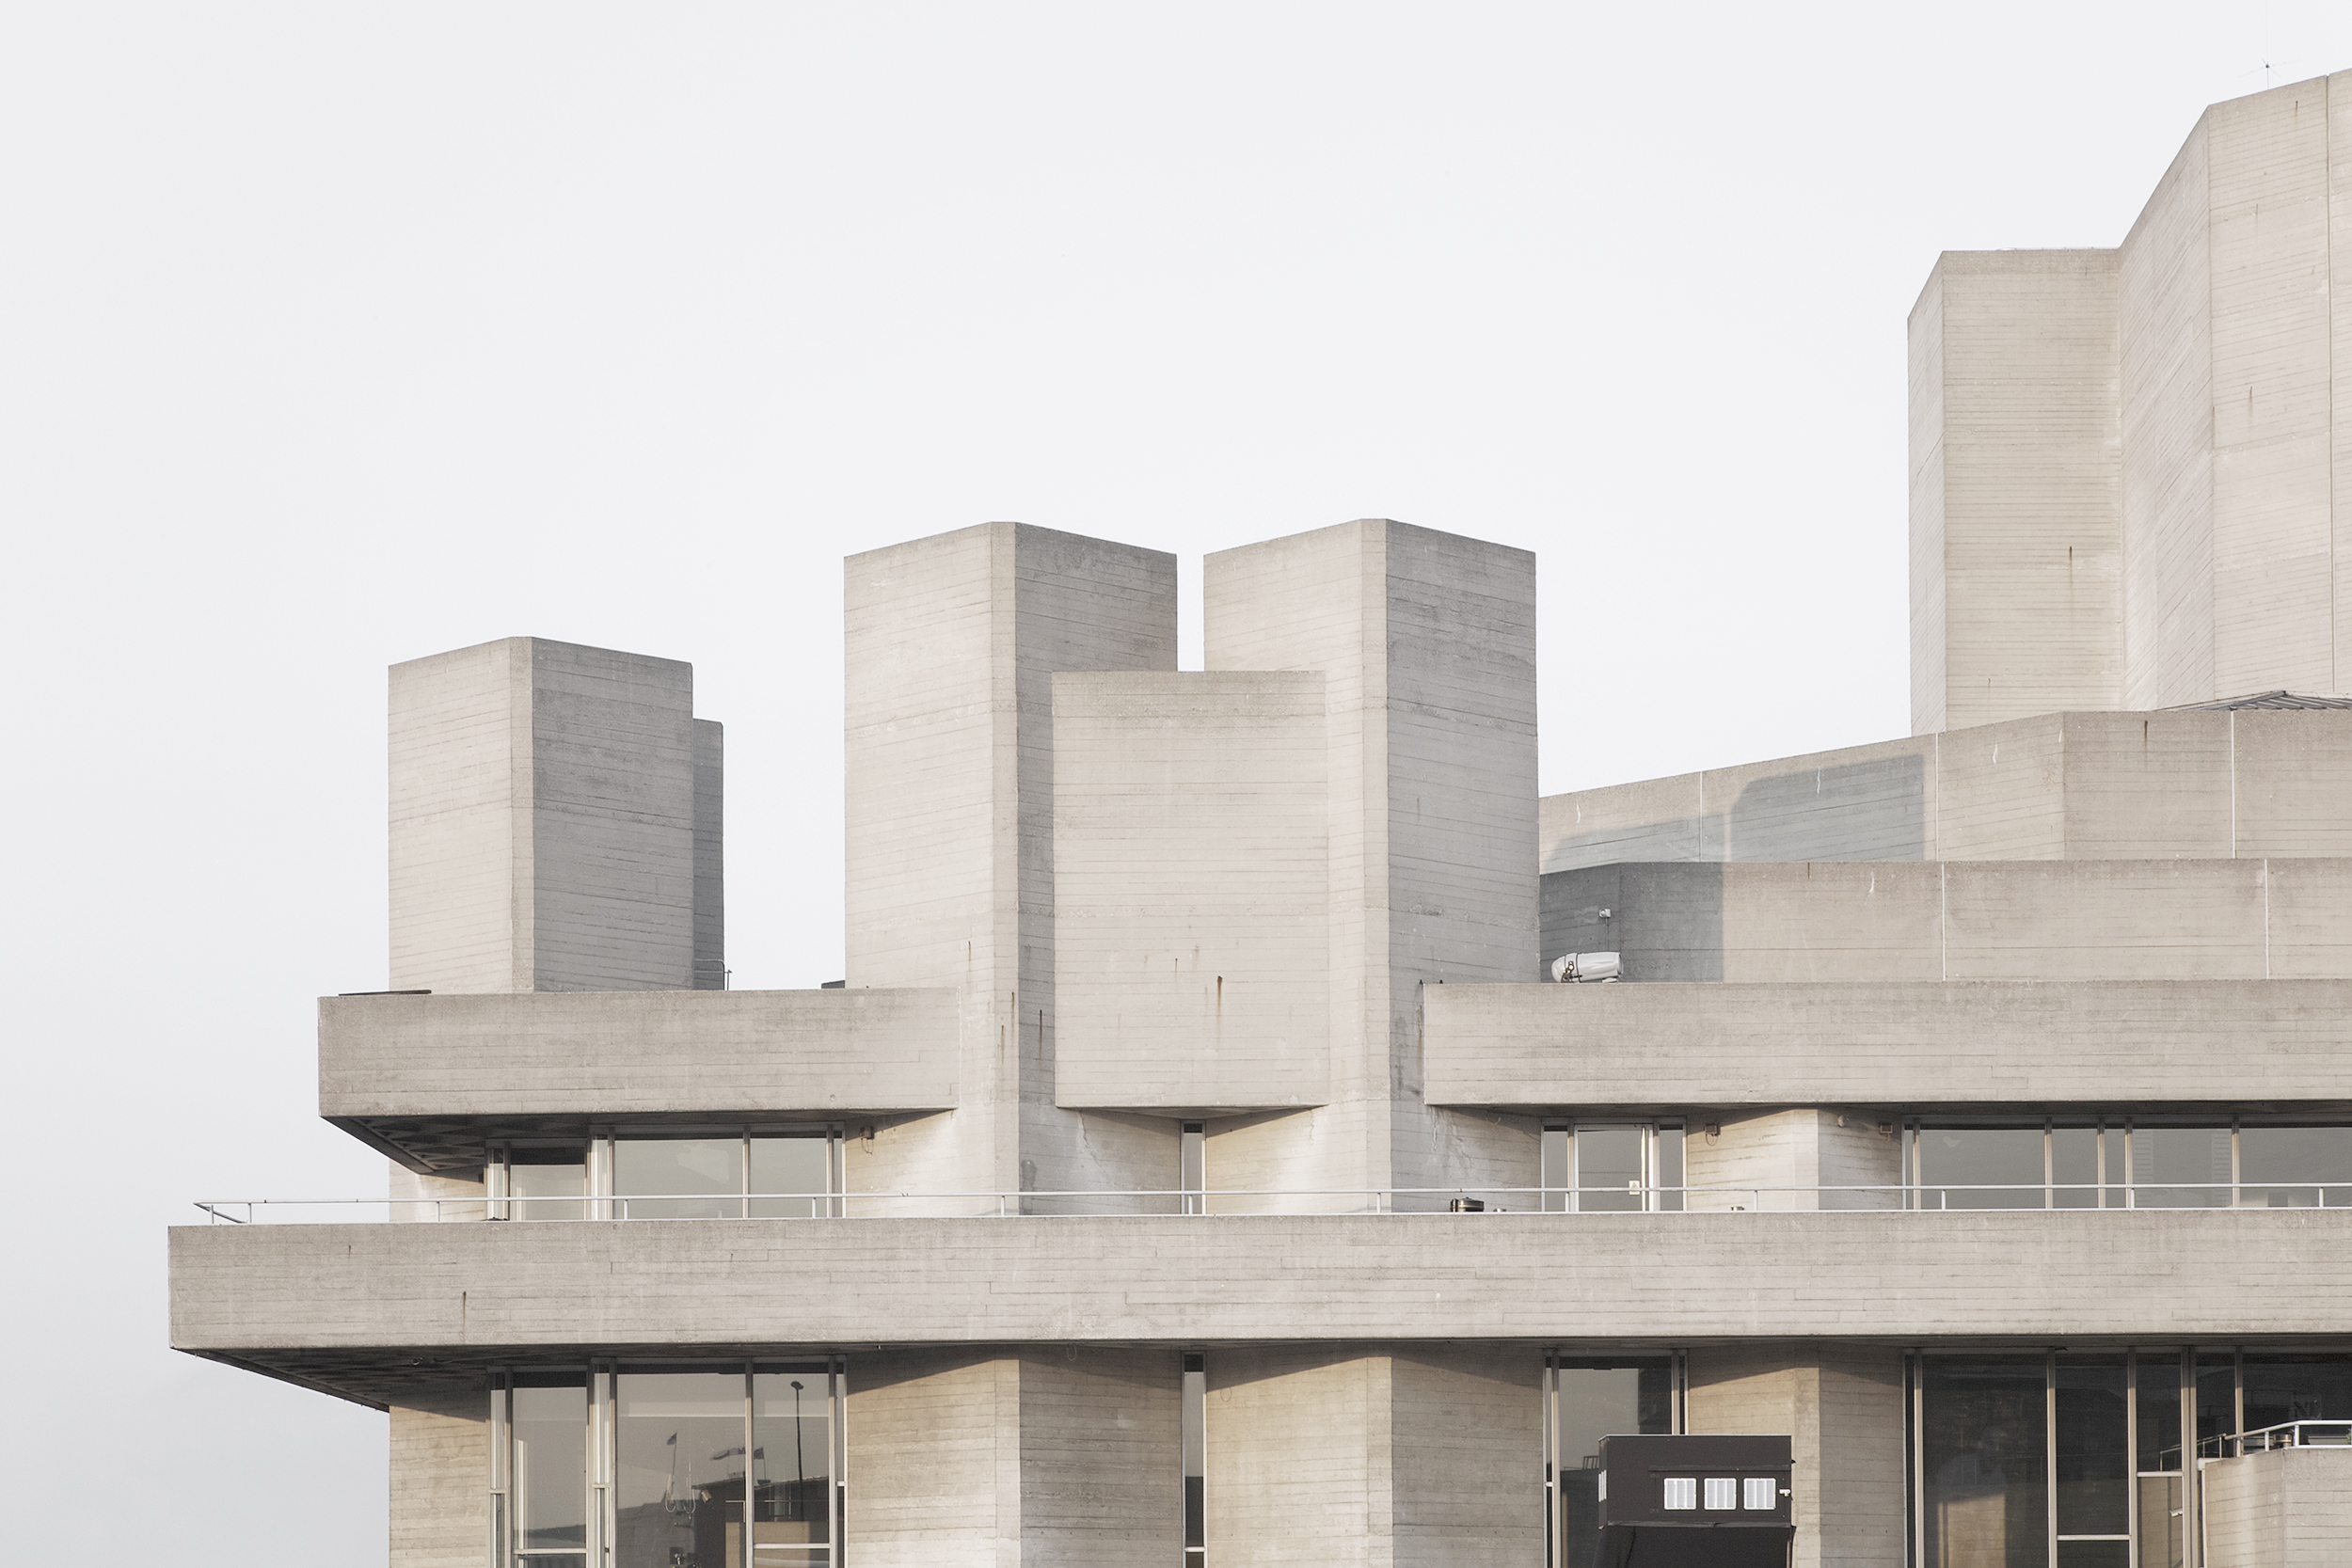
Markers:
(1722, 1492)
(1192, 1149)
(1608, 1173)
(788, 1165)
(2160, 1535)
(2216, 1398)
(1599, 1399)
(2180, 1167)
(549, 1491)
(2159, 1411)
(1681, 1492)
(1759, 1492)
(2094, 1554)
(2281, 1387)
(1957, 1164)
(1669, 1147)
(2075, 1167)
(547, 1183)
(2092, 1465)
(678, 1439)
(1196, 1441)
(1555, 1175)
(2299, 1155)
(792, 1467)
(1983, 1424)
(675, 1171)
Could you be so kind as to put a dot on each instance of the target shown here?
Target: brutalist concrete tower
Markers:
(1253, 1128)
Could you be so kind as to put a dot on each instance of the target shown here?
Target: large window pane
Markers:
(675, 1166)
(2296, 1154)
(1599, 1400)
(2094, 1554)
(550, 1474)
(1669, 1148)
(2216, 1398)
(1607, 1160)
(678, 1438)
(1953, 1160)
(2160, 1537)
(788, 1165)
(2091, 1463)
(2282, 1387)
(542, 1180)
(2075, 1167)
(1982, 1427)
(2159, 1411)
(1556, 1177)
(792, 1452)
(2195, 1158)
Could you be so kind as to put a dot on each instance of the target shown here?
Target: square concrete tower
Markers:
(555, 823)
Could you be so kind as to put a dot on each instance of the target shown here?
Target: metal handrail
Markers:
(1910, 1197)
(2290, 1434)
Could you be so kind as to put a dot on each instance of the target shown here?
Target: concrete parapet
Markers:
(2289, 1508)
(2112, 1044)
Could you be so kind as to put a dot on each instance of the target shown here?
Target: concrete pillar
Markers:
(1802, 1149)
(1039, 1457)
(711, 881)
(953, 643)
(544, 820)
(1427, 1456)
(1427, 643)
(1842, 1405)
(440, 1478)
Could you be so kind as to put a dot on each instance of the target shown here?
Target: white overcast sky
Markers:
(331, 336)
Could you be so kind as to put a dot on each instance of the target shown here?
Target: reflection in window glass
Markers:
(2180, 1167)
(673, 1166)
(1601, 1399)
(549, 1418)
(1983, 1421)
(2092, 1462)
(2297, 1387)
(791, 1450)
(2094, 1554)
(2296, 1154)
(788, 1165)
(678, 1438)
(2216, 1398)
(2159, 1411)
(1608, 1169)
(1955, 1159)
(2160, 1534)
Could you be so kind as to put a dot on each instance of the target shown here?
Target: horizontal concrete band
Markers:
(644, 1052)
(2034, 1275)
(2116, 1043)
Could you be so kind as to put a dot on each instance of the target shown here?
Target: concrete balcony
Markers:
(1913, 1045)
(339, 1304)
(423, 1077)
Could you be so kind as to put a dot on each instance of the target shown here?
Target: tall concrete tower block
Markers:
(2131, 471)
(953, 643)
(555, 823)
(1427, 643)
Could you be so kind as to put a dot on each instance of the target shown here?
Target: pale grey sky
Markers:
(331, 336)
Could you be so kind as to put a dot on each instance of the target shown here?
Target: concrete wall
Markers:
(440, 1478)
(1335, 1279)
(1914, 1044)
(2290, 1508)
(1192, 891)
(637, 1053)
(2056, 787)
(2016, 532)
(953, 643)
(1795, 1149)
(711, 881)
(1842, 1405)
(1418, 1457)
(543, 820)
(1035, 1457)
(1426, 641)
(1961, 920)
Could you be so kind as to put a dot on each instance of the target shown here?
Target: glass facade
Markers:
(1195, 1435)
(728, 1464)
(1612, 1167)
(2120, 1162)
(661, 1174)
(1589, 1399)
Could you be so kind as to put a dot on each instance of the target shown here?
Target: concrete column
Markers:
(1842, 1405)
(543, 821)
(1425, 1456)
(953, 643)
(710, 889)
(1041, 1457)
(414, 1196)
(2016, 488)
(1803, 1149)
(1426, 643)
(440, 1478)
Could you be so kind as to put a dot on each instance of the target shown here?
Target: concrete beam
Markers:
(1914, 1044)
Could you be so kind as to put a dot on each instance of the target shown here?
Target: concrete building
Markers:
(1197, 1164)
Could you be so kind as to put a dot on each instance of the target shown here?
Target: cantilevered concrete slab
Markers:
(389, 1062)
(2116, 1044)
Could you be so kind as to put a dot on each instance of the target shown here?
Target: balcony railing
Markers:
(1633, 1197)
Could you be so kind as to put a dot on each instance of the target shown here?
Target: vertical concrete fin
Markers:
(710, 889)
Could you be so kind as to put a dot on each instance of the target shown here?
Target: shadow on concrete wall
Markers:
(1857, 811)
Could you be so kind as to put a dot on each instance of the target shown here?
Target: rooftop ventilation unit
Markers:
(1585, 969)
